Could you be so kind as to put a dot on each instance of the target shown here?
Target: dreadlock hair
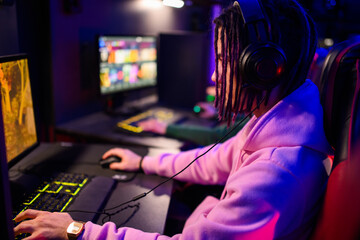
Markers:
(289, 26)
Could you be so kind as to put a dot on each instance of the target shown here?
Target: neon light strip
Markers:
(130, 128)
(57, 191)
(76, 192)
(33, 199)
(68, 202)
(44, 188)
(84, 182)
(21, 212)
(137, 117)
(67, 184)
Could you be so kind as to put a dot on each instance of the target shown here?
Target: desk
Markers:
(83, 158)
(99, 127)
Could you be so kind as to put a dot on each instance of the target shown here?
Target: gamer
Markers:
(273, 169)
(197, 134)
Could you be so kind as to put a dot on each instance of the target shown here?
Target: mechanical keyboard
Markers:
(162, 114)
(68, 192)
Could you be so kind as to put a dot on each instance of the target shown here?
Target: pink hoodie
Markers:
(274, 170)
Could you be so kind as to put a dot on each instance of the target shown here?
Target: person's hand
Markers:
(208, 110)
(130, 161)
(43, 225)
(153, 125)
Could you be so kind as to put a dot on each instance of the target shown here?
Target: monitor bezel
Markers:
(129, 90)
(5, 202)
(16, 159)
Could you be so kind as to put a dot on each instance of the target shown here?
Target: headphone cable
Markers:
(138, 197)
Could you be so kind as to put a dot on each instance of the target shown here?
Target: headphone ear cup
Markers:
(262, 65)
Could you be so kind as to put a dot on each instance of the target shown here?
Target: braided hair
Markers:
(289, 26)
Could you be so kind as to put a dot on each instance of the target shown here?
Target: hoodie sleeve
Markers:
(212, 168)
(202, 135)
(248, 211)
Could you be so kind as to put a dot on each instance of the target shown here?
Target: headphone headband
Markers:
(253, 11)
(262, 62)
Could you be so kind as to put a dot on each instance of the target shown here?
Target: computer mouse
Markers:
(104, 163)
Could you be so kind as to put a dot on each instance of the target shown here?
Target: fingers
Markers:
(27, 226)
(113, 151)
(117, 166)
(29, 213)
(147, 125)
(129, 160)
(24, 227)
(43, 225)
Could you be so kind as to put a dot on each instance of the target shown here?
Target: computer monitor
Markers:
(17, 127)
(6, 231)
(17, 108)
(126, 63)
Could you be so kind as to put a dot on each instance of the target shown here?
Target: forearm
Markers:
(202, 135)
(211, 168)
(196, 134)
(110, 231)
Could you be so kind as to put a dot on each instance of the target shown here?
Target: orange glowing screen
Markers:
(17, 106)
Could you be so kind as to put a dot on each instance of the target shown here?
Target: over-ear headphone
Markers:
(262, 62)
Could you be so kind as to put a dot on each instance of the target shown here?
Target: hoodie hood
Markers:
(296, 120)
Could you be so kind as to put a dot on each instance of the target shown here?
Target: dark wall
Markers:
(336, 19)
(59, 36)
(73, 47)
(8, 30)
(8, 46)
(34, 40)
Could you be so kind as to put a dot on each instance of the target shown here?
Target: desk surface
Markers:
(99, 127)
(152, 211)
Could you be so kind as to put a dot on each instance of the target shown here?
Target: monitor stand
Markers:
(122, 110)
(120, 107)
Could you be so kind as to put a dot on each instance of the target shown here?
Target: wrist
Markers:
(140, 164)
(162, 128)
(75, 229)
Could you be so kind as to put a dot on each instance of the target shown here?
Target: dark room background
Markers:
(59, 37)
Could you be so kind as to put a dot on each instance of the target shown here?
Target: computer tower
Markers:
(183, 68)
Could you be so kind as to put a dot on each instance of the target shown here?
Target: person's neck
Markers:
(273, 99)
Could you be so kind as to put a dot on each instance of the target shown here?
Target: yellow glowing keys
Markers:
(129, 123)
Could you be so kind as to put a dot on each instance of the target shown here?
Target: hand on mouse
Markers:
(130, 161)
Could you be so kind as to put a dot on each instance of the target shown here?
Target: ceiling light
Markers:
(174, 3)
(151, 4)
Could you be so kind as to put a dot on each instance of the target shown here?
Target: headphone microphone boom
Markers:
(262, 62)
